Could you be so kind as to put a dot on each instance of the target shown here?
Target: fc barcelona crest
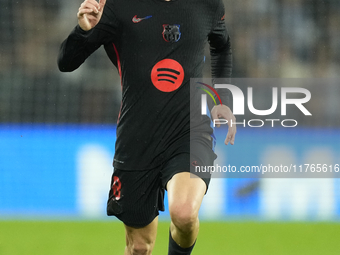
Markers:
(171, 33)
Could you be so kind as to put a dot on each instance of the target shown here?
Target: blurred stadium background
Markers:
(57, 134)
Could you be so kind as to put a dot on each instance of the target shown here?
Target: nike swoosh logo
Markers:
(137, 20)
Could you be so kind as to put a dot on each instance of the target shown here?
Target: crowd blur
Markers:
(270, 38)
(285, 38)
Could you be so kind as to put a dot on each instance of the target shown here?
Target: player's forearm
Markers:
(74, 50)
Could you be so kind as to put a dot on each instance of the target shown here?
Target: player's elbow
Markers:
(63, 69)
(64, 66)
(221, 47)
(66, 62)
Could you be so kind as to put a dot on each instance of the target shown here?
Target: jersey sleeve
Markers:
(220, 51)
(80, 44)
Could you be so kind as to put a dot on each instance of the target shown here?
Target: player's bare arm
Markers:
(223, 111)
(90, 13)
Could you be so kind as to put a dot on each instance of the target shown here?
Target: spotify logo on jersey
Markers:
(167, 75)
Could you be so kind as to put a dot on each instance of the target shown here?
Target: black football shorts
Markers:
(136, 197)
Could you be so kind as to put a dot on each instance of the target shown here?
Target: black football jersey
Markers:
(157, 46)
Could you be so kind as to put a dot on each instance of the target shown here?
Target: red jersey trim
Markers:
(120, 74)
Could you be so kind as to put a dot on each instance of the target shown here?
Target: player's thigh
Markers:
(141, 237)
(185, 194)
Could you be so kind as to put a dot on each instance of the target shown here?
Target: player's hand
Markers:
(223, 112)
(90, 13)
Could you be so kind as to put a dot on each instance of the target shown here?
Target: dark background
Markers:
(270, 38)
